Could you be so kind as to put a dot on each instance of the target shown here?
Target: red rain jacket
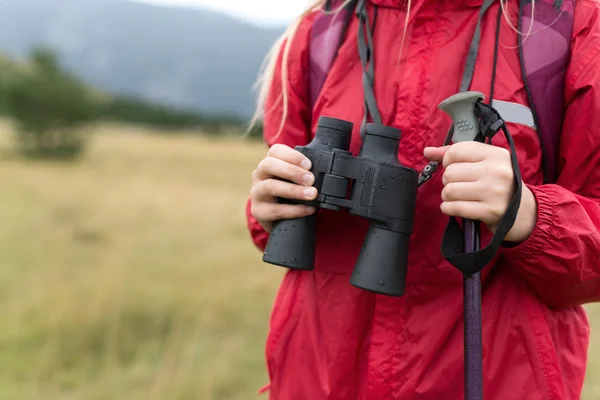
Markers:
(330, 340)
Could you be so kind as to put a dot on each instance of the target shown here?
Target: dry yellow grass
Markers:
(130, 274)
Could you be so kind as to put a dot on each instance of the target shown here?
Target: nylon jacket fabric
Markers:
(330, 340)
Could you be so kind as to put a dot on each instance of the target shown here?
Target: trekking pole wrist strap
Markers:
(453, 247)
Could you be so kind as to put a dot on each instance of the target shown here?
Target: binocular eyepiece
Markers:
(372, 185)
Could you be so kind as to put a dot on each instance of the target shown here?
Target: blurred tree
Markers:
(49, 106)
(8, 68)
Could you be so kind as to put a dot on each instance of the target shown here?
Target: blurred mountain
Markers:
(183, 57)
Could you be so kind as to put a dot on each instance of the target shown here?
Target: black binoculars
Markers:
(373, 185)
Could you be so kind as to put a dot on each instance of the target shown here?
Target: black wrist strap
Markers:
(453, 242)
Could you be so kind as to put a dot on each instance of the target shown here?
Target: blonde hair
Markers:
(267, 69)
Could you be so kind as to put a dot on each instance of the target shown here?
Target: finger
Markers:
(270, 189)
(290, 155)
(435, 153)
(463, 191)
(463, 172)
(274, 211)
(272, 167)
(468, 152)
(473, 210)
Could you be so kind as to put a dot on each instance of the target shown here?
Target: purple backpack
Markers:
(544, 57)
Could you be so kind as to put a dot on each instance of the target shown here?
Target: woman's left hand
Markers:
(479, 184)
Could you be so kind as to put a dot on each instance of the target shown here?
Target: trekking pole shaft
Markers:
(472, 316)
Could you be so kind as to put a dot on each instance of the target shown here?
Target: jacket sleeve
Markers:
(296, 126)
(561, 258)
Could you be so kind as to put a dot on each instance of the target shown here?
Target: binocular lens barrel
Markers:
(292, 242)
(382, 264)
(331, 134)
(381, 144)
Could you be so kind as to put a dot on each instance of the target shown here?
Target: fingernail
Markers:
(305, 164)
(308, 178)
(310, 192)
(310, 209)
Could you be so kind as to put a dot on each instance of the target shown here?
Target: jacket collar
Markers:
(400, 4)
(416, 4)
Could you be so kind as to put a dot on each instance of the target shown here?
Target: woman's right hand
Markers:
(281, 162)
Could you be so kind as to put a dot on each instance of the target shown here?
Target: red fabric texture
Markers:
(330, 340)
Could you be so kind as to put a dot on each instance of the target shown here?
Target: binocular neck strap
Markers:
(474, 48)
(365, 51)
(453, 242)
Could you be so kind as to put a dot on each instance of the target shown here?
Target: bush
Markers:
(130, 109)
(134, 110)
(49, 106)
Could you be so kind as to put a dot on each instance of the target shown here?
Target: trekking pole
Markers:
(460, 107)
(472, 316)
(474, 120)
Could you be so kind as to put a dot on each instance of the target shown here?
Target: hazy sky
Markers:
(267, 12)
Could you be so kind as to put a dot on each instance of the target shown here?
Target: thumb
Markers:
(435, 153)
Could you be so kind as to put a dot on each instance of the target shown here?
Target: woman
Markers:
(330, 340)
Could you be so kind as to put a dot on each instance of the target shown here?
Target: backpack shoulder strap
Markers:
(326, 36)
(544, 56)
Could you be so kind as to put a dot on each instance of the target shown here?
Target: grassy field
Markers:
(130, 275)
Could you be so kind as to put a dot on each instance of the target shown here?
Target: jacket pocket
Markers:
(284, 317)
(545, 348)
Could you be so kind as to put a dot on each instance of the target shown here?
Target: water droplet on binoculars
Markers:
(285, 229)
(381, 283)
(383, 187)
(294, 260)
(392, 176)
